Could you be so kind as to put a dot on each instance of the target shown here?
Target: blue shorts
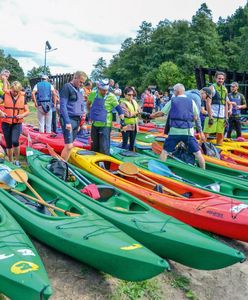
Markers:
(172, 140)
(69, 136)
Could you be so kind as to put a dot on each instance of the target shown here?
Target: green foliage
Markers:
(11, 64)
(38, 71)
(136, 290)
(168, 75)
(184, 44)
(98, 72)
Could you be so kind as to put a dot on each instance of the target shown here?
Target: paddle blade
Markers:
(128, 168)
(156, 148)
(19, 175)
(159, 168)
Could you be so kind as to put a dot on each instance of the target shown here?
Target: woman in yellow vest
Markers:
(15, 109)
(131, 110)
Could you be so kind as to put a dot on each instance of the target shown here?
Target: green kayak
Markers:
(162, 234)
(229, 173)
(22, 273)
(203, 179)
(78, 231)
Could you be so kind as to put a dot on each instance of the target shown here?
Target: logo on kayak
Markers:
(132, 247)
(215, 214)
(29, 153)
(26, 252)
(238, 208)
(22, 267)
(4, 256)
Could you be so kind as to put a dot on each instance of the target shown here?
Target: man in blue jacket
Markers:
(71, 110)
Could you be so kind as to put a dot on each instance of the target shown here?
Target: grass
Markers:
(32, 117)
(183, 283)
(137, 290)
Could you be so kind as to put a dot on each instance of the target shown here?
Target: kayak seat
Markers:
(106, 192)
(33, 205)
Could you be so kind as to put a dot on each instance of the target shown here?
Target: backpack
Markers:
(183, 154)
(58, 168)
(210, 150)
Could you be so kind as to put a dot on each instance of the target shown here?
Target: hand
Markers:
(145, 116)
(68, 127)
(3, 114)
(19, 116)
(202, 137)
(122, 123)
(234, 104)
(210, 121)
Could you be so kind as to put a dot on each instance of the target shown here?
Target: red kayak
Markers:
(196, 207)
(56, 141)
(24, 143)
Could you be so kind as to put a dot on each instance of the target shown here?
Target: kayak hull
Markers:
(203, 210)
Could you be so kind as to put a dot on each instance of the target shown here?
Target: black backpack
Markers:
(58, 168)
(183, 154)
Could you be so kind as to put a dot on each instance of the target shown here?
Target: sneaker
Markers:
(17, 163)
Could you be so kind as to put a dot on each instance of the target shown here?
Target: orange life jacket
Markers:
(13, 107)
(148, 101)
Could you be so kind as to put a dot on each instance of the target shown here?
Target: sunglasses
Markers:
(130, 95)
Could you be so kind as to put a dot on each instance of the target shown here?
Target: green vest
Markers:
(132, 107)
(220, 95)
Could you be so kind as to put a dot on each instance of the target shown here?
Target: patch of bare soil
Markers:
(72, 280)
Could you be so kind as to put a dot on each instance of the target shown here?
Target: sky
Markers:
(83, 31)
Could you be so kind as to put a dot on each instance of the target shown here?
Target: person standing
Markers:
(100, 105)
(15, 110)
(182, 112)
(131, 110)
(148, 102)
(238, 102)
(43, 96)
(55, 105)
(71, 110)
(217, 109)
(4, 75)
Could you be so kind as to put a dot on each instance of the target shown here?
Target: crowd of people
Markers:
(211, 110)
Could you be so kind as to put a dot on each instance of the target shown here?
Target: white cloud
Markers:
(75, 27)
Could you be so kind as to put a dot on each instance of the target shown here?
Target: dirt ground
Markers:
(72, 280)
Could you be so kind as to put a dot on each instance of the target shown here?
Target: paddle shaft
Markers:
(150, 183)
(80, 177)
(35, 193)
(45, 204)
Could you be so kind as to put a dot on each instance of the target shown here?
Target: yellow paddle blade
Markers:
(4, 186)
(19, 175)
(128, 168)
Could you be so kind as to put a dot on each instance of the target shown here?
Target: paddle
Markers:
(20, 175)
(6, 187)
(130, 169)
(161, 169)
(108, 191)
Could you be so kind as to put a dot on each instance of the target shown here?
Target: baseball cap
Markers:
(103, 84)
(44, 76)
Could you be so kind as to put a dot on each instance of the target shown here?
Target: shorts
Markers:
(190, 141)
(69, 136)
(217, 127)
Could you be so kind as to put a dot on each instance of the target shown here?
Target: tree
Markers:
(11, 64)
(36, 72)
(168, 74)
(99, 71)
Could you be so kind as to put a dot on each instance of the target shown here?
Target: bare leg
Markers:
(17, 153)
(163, 155)
(219, 138)
(65, 154)
(10, 154)
(200, 159)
